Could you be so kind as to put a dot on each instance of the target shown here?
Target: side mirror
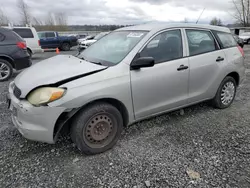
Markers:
(142, 62)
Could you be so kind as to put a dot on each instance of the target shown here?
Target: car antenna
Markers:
(200, 16)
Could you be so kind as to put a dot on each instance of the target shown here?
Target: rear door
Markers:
(52, 40)
(206, 62)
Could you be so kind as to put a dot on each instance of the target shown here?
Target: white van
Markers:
(30, 35)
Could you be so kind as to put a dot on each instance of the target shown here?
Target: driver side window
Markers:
(164, 47)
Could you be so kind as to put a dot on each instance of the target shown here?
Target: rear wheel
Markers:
(6, 70)
(65, 46)
(226, 93)
(97, 128)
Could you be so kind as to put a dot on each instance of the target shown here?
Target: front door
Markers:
(165, 85)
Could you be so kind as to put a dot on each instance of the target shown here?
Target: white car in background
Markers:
(246, 37)
(30, 35)
(85, 44)
(90, 37)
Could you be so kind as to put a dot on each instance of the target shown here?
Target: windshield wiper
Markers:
(98, 63)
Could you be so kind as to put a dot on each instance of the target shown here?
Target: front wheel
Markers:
(96, 128)
(226, 93)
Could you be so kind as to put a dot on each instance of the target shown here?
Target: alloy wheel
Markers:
(227, 93)
(4, 71)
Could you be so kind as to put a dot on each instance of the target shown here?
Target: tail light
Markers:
(241, 51)
(22, 45)
(39, 43)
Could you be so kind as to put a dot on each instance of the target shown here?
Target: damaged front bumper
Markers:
(34, 123)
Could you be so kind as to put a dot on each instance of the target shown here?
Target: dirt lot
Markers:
(205, 147)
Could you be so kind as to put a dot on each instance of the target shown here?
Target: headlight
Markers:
(45, 95)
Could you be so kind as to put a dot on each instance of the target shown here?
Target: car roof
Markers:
(161, 26)
(17, 27)
(2, 29)
(45, 31)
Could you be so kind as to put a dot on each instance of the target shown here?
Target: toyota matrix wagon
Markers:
(131, 74)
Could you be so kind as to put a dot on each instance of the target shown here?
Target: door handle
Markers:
(219, 59)
(182, 67)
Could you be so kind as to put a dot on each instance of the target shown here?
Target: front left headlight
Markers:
(45, 95)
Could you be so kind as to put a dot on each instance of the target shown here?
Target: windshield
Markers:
(99, 36)
(112, 48)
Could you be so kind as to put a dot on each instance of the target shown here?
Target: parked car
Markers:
(119, 80)
(239, 41)
(13, 53)
(90, 37)
(30, 35)
(246, 37)
(78, 36)
(51, 39)
(85, 44)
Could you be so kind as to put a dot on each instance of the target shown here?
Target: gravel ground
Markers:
(204, 147)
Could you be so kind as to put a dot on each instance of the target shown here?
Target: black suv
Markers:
(13, 53)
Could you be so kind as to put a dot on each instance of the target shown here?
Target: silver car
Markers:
(130, 74)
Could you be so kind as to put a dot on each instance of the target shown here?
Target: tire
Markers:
(218, 101)
(5, 67)
(65, 46)
(96, 128)
(30, 53)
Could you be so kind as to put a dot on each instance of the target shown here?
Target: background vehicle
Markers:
(30, 35)
(246, 37)
(85, 44)
(239, 41)
(85, 38)
(51, 39)
(13, 53)
(123, 78)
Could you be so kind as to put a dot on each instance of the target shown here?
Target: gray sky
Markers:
(124, 11)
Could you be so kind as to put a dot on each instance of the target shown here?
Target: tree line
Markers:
(59, 20)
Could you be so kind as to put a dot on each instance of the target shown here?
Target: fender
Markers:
(6, 56)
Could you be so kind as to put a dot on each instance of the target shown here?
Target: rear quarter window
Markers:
(226, 40)
(24, 33)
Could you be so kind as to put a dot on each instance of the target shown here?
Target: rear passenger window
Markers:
(164, 47)
(2, 37)
(50, 34)
(200, 42)
(41, 35)
(226, 39)
(24, 33)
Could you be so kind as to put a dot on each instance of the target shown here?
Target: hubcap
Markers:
(227, 93)
(100, 131)
(4, 71)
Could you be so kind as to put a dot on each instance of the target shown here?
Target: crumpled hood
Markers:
(53, 70)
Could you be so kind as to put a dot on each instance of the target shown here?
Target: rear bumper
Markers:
(22, 63)
(34, 123)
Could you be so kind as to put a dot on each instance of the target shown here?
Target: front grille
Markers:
(17, 92)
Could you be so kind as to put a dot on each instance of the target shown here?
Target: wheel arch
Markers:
(63, 123)
(235, 76)
(9, 59)
(30, 50)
